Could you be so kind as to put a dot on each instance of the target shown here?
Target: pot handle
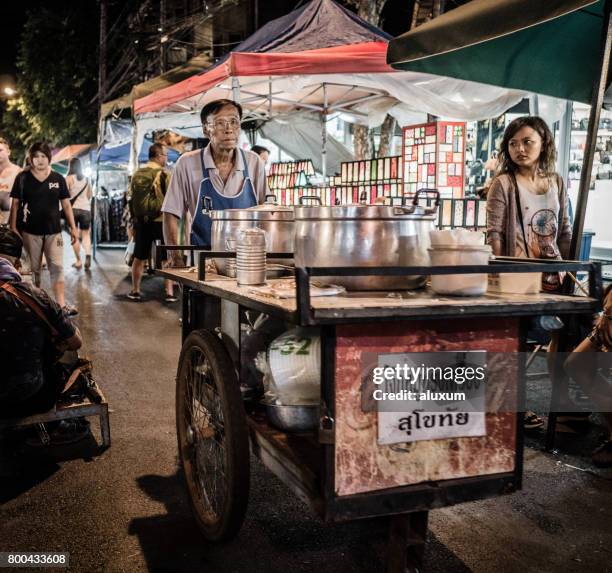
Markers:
(310, 197)
(208, 206)
(404, 210)
(273, 201)
(427, 192)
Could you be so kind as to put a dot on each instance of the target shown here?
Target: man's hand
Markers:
(74, 235)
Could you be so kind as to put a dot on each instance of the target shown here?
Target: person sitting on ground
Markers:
(582, 366)
(145, 198)
(80, 198)
(34, 332)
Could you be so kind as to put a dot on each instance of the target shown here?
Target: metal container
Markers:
(302, 418)
(277, 221)
(365, 236)
(251, 257)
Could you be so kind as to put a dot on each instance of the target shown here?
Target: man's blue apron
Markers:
(209, 199)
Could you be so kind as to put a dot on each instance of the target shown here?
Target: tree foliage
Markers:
(16, 128)
(58, 70)
(363, 138)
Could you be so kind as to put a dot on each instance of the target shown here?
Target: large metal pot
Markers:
(277, 221)
(365, 236)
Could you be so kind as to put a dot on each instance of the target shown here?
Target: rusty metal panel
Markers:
(362, 465)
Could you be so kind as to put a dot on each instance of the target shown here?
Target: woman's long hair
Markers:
(548, 155)
(75, 168)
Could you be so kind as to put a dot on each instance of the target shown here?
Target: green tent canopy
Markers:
(540, 46)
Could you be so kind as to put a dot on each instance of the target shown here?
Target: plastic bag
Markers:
(294, 362)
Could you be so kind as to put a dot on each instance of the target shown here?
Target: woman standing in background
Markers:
(80, 198)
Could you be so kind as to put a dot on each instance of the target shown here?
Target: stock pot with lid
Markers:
(365, 236)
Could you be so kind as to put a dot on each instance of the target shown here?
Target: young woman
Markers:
(80, 199)
(35, 215)
(527, 204)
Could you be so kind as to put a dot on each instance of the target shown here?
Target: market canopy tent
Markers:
(71, 151)
(559, 48)
(324, 59)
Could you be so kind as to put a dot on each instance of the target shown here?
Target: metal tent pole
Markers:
(236, 89)
(599, 88)
(324, 133)
(565, 136)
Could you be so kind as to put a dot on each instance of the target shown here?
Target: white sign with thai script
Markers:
(418, 425)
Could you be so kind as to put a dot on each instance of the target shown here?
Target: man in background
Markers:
(146, 196)
(262, 151)
(8, 172)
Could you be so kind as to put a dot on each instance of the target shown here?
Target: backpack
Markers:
(148, 189)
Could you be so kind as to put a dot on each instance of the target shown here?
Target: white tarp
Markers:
(424, 93)
(300, 137)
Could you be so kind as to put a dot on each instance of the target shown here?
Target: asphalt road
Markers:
(126, 510)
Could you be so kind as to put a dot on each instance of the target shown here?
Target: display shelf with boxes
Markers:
(366, 180)
(434, 157)
(290, 174)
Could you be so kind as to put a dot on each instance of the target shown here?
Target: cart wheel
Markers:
(212, 435)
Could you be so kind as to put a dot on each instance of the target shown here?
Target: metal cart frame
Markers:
(306, 462)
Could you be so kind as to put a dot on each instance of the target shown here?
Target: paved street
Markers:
(126, 511)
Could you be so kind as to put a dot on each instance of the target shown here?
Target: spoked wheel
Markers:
(212, 436)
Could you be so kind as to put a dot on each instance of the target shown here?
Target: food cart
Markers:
(342, 470)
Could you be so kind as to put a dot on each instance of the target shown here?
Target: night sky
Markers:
(13, 18)
(13, 13)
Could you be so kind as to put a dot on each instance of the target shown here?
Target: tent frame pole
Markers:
(236, 89)
(324, 133)
(565, 136)
(599, 88)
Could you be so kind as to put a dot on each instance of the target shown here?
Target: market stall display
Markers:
(434, 157)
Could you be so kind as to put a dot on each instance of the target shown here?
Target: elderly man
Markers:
(220, 176)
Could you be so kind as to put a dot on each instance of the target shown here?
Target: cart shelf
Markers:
(361, 306)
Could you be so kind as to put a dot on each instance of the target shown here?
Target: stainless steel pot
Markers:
(277, 221)
(292, 418)
(365, 236)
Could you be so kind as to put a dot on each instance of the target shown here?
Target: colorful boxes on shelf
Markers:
(434, 156)
(290, 174)
(379, 170)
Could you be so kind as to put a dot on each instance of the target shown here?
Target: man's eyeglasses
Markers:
(223, 124)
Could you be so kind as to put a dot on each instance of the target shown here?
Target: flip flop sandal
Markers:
(532, 421)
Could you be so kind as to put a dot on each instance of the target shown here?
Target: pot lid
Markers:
(278, 213)
(271, 207)
(365, 212)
